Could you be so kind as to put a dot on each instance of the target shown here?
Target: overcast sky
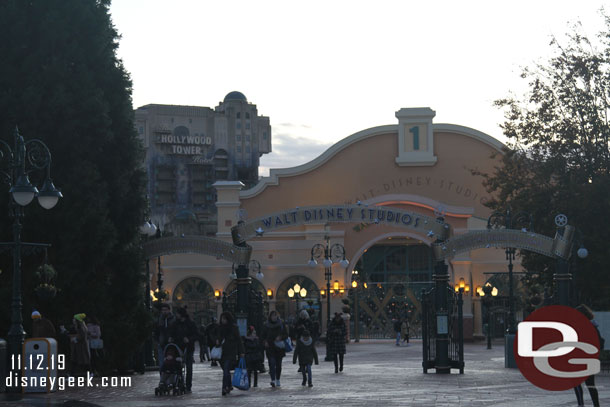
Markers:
(323, 70)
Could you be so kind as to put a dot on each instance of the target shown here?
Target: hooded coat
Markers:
(305, 352)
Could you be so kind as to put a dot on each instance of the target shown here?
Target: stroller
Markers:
(171, 372)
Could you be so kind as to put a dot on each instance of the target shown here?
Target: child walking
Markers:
(254, 354)
(306, 352)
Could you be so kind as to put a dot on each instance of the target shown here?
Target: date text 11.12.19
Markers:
(37, 362)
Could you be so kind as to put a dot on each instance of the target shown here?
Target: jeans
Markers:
(397, 338)
(590, 382)
(226, 374)
(275, 367)
(306, 370)
(188, 360)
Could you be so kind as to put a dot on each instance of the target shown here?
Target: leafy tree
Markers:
(558, 160)
(61, 82)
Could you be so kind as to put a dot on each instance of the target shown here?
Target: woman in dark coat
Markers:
(232, 346)
(336, 341)
(273, 336)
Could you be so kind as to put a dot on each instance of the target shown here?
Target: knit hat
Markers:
(36, 315)
(79, 317)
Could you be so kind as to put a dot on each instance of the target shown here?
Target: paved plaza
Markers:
(376, 373)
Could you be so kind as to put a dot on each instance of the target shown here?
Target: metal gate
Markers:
(256, 306)
(431, 328)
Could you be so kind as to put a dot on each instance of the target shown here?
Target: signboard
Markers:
(425, 225)
(442, 325)
(183, 144)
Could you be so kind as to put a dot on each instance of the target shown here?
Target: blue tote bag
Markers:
(240, 377)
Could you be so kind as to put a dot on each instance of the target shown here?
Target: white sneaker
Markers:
(277, 383)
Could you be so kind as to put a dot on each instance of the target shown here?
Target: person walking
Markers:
(336, 341)
(79, 346)
(302, 324)
(203, 343)
(183, 333)
(404, 331)
(162, 328)
(96, 344)
(397, 327)
(212, 332)
(306, 354)
(42, 327)
(590, 381)
(232, 346)
(254, 354)
(274, 334)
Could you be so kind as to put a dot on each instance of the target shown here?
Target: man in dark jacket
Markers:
(162, 328)
(274, 336)
(184, 334)
(212, 332)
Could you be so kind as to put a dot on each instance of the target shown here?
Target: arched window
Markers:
(289, 307)
(198, 296)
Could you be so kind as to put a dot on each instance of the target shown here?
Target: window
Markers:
(264, 135)
(238, 137)
(248, 125)
(191, 121)
(247, 115)
(247, 149)
(141, 130)
(247, 137)
(238, 115)
(239, 149)
(238, 125)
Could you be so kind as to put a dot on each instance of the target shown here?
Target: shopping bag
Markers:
(96, 343)
(288, 345)
(240, 376)
(216, 353)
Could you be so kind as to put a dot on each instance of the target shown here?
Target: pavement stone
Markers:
(377, 373)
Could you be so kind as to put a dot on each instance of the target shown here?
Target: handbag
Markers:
(216, 353)
(280, 344)
(240, 377)
(96, 343)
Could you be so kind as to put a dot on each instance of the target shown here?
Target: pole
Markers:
(16, 334)
(562, 276)
(243, 284)
(488, 303)
(441, 277)
(148, 348)
(510, 253)
(327, 358)
(357, 319)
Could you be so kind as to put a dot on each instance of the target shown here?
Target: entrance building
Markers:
(415, 165)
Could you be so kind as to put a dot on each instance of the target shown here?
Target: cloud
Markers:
(291, 151)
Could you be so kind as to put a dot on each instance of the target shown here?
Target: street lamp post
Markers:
(487, 292)
(15, 166)
(509, 220)
(331, 254)
(148, 230)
